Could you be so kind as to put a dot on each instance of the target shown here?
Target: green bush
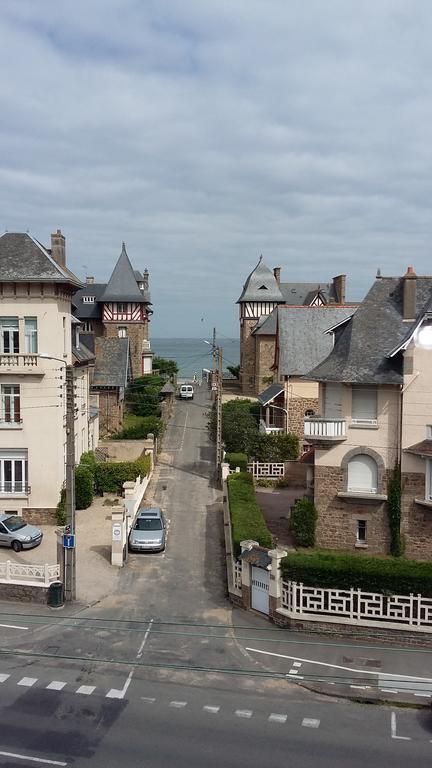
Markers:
(246, 516)
(110, 475)
(61, 508)
(84, 482)
(237, 460)
(239, 425)
(279, 447)
(394, 493)
(88, 460)
(337, 570)
(142, 426)
(303, 520)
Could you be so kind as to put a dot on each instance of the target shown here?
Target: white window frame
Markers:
(9, 328)
(87, 326)
(31, 335)
(14, 398)
(365, 421)
(16, 458)
(429, 431)
(122, 307)
(88, 299)
(122, 332)
(356, 489)
(361, 524)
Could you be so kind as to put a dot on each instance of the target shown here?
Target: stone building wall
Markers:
(137, 333)
(296, 411)
(337, 517)
(416, 524)
(40, 515)
(110, 412)
(23, 593)
(247, 358)
(265, 354)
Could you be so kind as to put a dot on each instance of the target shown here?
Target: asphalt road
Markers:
(133, 679)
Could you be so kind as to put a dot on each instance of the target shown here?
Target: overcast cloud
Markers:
(206, 132)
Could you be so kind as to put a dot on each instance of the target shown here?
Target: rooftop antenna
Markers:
(378, 274)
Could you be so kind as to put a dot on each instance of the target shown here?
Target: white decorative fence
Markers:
(266, 469)
(237, 568)
(30, 575)
(355, 606)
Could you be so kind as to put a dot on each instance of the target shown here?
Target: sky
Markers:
(204, 133)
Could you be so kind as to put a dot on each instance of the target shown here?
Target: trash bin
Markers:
(56, 594)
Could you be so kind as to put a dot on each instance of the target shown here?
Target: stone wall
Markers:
(22, 593)
(416, 523)
(126, 450)
(40, 515)
(337, 517)
(137, 333)
(264, 359)
(247, 358)
(110, 412)
(296, 413)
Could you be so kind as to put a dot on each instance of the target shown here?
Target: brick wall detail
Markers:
(110, 412)
(24, 594)
(416, 525)
(296, 413)
(40, 515)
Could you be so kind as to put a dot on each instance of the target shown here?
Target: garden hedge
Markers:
(237, 460)
(302, 522)
(385, 575)
(139, 428)
(84, 483)
(246, 517)
(110, 475)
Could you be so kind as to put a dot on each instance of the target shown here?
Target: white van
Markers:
(186, 392)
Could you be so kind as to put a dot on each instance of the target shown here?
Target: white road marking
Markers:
(3, 677)
(212, 710)
(27, 681)
(361, 687)
(178, 704)
(296, 663)
(148, 699)
(393, 729)
(389, 690)
(243, 713)
(293, 672)
(115, 693)
(32, 759)
(275, 718)
(424, 695)
(384, 675)
(12, 626)
(310, 722)
(86, 689)
(147, 632)
(56, 685)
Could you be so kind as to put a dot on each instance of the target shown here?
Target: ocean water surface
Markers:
(192, 355)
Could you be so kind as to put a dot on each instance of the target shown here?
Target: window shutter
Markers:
(362, 474)
(364, 404)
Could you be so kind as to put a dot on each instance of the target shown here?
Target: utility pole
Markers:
(219, 407)
(213, 379)
(69, 554)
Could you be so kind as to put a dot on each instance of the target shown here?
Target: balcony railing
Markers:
(15, 487)
(18, 361)
(316, 428)
(271, 429)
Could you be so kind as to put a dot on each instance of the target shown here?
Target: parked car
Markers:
(148, 533)
(16, 533)
(186, 392)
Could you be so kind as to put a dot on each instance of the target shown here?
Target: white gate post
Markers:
(246, 573)
(275, 584)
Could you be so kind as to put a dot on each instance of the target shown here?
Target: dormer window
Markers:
(263, 288)
(88, 299)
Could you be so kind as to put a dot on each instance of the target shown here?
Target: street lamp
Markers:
(69, 553)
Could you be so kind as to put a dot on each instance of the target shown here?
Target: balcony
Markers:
(269, 429)
(324, 432)
(20, 363)
(17, 488)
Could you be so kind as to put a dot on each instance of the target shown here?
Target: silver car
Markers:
(16, 533)
(148, 531)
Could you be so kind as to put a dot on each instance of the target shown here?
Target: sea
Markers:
(192, 355)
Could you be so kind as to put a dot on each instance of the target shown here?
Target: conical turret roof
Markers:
(261, 285)
(122, 285)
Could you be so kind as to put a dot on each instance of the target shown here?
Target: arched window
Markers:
(362, 474)
(309, 413)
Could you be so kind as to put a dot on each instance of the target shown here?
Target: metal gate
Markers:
(260, 589)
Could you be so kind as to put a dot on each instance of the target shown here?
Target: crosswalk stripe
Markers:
(27, 681)
(55, 685)
(86, 689)
(275, 718)
(3, 677)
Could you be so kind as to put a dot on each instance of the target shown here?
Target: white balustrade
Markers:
(324, 428)
(406, 611)
(33, 575)
(237, 574)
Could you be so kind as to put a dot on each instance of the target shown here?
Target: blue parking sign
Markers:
(69, 540)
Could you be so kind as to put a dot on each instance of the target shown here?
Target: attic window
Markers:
(263, 288)
(88, 299)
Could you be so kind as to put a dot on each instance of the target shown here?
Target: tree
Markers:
(239, 425)
(165, 367)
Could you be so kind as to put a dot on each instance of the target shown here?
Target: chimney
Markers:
(58, 251)
(89, 280)
(409, 294)
(339, 285)
(145, 280)
(276, 272)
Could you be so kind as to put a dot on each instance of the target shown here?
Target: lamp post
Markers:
(69, 554)
(217, 368)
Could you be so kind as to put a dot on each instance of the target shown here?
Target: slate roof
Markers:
(83, 354)
(89, 311)
(270, 393)
(23, 258)
(362, 349)
(112, 363)
(256, 556)
(253, 289)
(424, 448)
(122, 285)
(168, 388)
(302, 339)
(303, 293)
(266, 325)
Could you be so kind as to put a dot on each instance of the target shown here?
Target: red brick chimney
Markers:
(409, 294)
(277, 274)
(58, 248)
